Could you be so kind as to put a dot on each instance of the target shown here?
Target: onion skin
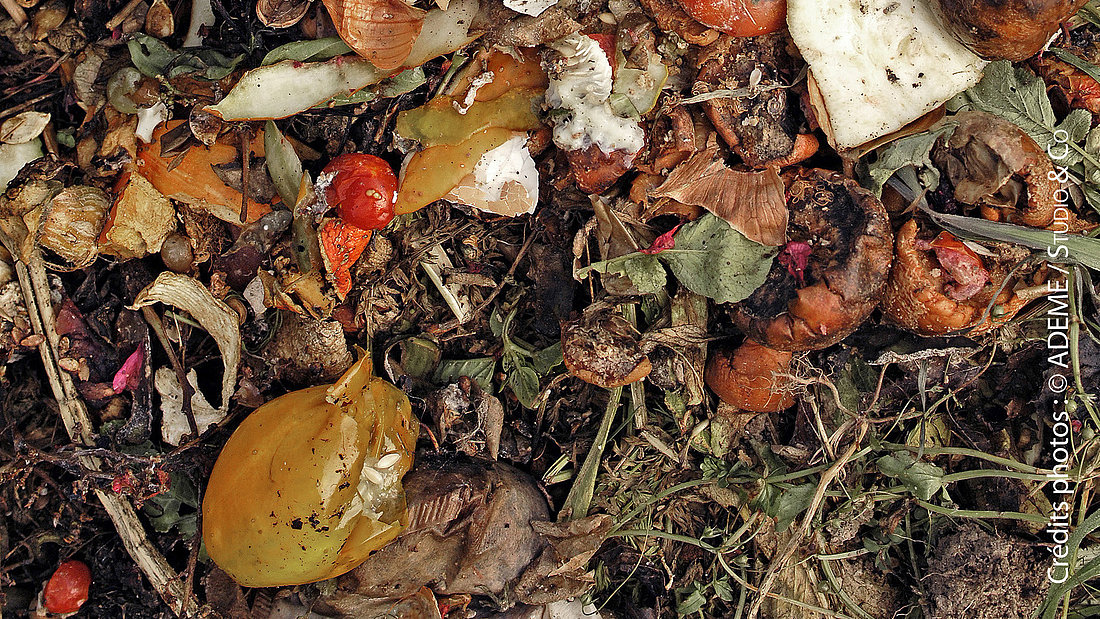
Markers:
(749, 377)
(280, 505)
(1005, 29)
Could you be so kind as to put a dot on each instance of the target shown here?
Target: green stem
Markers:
(981, 514)
(580, 495)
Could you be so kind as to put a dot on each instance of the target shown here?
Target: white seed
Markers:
(372, 475)
(388, 460)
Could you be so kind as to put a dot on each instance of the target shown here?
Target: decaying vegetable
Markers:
(876, 65)
(310, 483)
(995, 165)
(362, 188)
(740, 18)
(69, 225)
(827, 278)
(192, 179)
(750, 377)
(139, 221)
(601, 348)
(1005, 29)
(469, 531)
(67, 589)
(938, 286)
(758, 127)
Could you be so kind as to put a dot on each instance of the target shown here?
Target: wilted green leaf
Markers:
(525, 384)
(1020, 97)
(914, 150)
(480, 369)
(547, 359)
(150, 55)
(789, 504)
(163, 510)
(283, 164)
(1082, 250)
(645, 272)
(924, 480)
(307, 51)
(712, 259)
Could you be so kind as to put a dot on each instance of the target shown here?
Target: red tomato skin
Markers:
(739, 18)
(363, 189)
(67, 589)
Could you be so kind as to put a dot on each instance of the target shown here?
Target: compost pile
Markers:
(537, 308)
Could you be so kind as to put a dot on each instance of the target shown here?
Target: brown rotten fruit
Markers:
(751, 377)
(827, 278)
(994, 165)
(1005, 29)
(602, 348)
(938, 285)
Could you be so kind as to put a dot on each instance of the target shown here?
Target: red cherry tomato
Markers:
(739, 18)
(363, 189)
(67, 589)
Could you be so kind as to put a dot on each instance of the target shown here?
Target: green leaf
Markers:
(712, 259)
(723, 590)
(914, 150)
(923, 479)
(307, 51)
(404, 82)
(691, 604)
(150, 55)
(282, 164)
(547, 359)
(480, 369)
(790, 504)
(163, 510)
(525, 384)
(645, 272)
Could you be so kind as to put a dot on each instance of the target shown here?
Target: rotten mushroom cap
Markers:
(1005, 29)
(750, 377)
(602, 348)
(993, 164)
(839, 257)
(917, 296)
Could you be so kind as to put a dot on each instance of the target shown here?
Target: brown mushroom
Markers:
(1005, 29)
(828, 276)
(601, 348)
(751, 377)
(937, 288)
(994, 165)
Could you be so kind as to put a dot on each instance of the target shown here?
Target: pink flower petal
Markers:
(127, 376)
(663, 242)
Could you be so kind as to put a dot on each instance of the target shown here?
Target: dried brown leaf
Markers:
(752, 202)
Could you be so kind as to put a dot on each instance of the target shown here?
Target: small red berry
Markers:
(363, 188)
(67, 589)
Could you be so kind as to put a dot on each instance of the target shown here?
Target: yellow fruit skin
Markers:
(282, 506)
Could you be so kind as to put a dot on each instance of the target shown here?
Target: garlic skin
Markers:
(309, 484)
(580, 84)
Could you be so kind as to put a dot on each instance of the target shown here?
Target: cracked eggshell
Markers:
(504, 181)
(534, 8)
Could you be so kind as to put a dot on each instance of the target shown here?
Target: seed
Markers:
(372, 475)
(388, 460)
